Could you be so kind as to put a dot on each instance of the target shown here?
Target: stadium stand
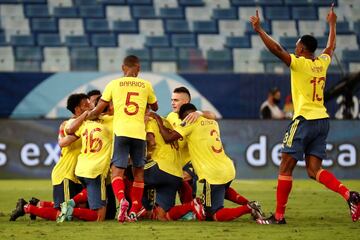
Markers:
(161, 31)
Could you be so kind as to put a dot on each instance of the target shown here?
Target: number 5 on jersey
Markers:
(132, 107)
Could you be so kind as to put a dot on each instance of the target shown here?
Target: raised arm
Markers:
(97, 110)
(192, 117)
(63, 140)
(269, 42)
(331, 43)
(74, 125)
(168, 135)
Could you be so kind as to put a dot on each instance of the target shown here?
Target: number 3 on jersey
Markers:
(132, 107)
(217, 139)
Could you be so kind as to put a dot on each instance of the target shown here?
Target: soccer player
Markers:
(93, 96)
(163, 172)
(309, 129)
(130, 96)
(210, 162)
(65, 184)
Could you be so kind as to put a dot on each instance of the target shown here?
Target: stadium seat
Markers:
(244, 2)
(68, 27)
(198, 13)
(2, 39)
(11, 10)
(169, 13)
(275, 67)
(190, 53)
(177, 26)
(48, 39)
(40, 25)
(22, 40)
(118, 13)
(315, 28)
(347, 42)
(65, 12)
(354, 67)
(58, 3)
(139, 2)
(246, 12)
(28, 54)
(221, 13)
(266, 56)
(284, 28)
(210, 41)
(157, 41)
(85, 2)
(133, 41)
(288, 42)
(164, 54)
(91, 11)
(219, 60)
(16, 26)
(125, 27)
(232, 27)
(103, 40)
(83, 59)
(164, 67)
(6, 59)
(269, 2)
(143, 12)
(183, 40)
(165, 3)
(326, 3)
(304, 13)
(191, 60)
(151, 27)
(341, 28)
(76, 41)
(205, 27)
(265, 25)
(113, 2)
(143, 54)
(351, 56)
(191, 2)
(277, 13)
(238, 42)
(213, 4)
(246, 67)
(36, 10)
(56, 59)
(297, 2)
(27, 66)
(110, 59)
(97, 26)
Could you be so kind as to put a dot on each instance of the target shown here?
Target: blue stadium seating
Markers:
(221, 13)
(91, 11)
(44, 25)
(297, 2)
(205, 27)
(243, 2)
(157, 41)
(266, 25)
(28, 66)
(22, 40)
(97, 25)
(304, 13)
(266, 56)
(125, 27)
(85, 2)
(103, 40)
(76, 41)
(112, 2)
(164, 54)
(288, 42)
(36, 10)
(269, 2)
(183, 40)
(325, 3)
(48, 39)
(28, 54)
(65, 12)
(191, 2)
(139, 2)
(277, 13)
(143, 54)
(143, 12)
(351, 56)
(169, 13)
(219, 60)
(83, 59)
(342, 27)
(177, 26)
(238, 42)
(2, 39)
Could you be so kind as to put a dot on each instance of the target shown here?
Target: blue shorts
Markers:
(214, 196)
(96, 191)
(64, 191)
(165, 185)
(193, 182)
(306, 137)
(125, 146)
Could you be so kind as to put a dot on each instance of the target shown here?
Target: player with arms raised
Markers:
(309, 129)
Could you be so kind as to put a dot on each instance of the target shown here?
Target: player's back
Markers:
(308, 79)
(65, 167)
(130, 97)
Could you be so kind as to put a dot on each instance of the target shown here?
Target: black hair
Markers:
(182, 90)
(131, 61)
(93, 92)
(184, 108)
(309, 42)
(74, 100)
(274, 90)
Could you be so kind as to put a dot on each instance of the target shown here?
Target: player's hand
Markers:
(155, 116)
(255, 21)
(331, 17)
(192, 117)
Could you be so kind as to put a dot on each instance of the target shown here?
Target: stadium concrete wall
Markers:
(28, 148)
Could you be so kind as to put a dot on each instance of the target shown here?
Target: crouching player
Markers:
(164, 174)
(210, 162)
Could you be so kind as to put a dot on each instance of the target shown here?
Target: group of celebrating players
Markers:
(116, 147)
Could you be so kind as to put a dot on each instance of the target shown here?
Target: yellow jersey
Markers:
(207, 154)
(65, 167)
(166, 155)
(96, 139)
(308, 79)
(130, 97)
(175, 121)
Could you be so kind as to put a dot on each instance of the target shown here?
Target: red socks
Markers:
(235, 197)
(330, 181)
(48, 213)
(177, 212)
(229, 214)
(282, 194)
(46, 204)
(136, 196)
(85, 214)
(185, 192)
(81, 197)
(118, 187)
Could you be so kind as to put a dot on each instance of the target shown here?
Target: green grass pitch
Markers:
(313, 213)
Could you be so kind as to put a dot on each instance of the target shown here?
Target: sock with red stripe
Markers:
(282, 194)
(177, 212)
(85, 214)
(235, 197)
(48, 213)
(80, 197)
(118, 187)
(330, 181)
(136, 196)
(185, 192)
(229, 214)
(46, 204)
